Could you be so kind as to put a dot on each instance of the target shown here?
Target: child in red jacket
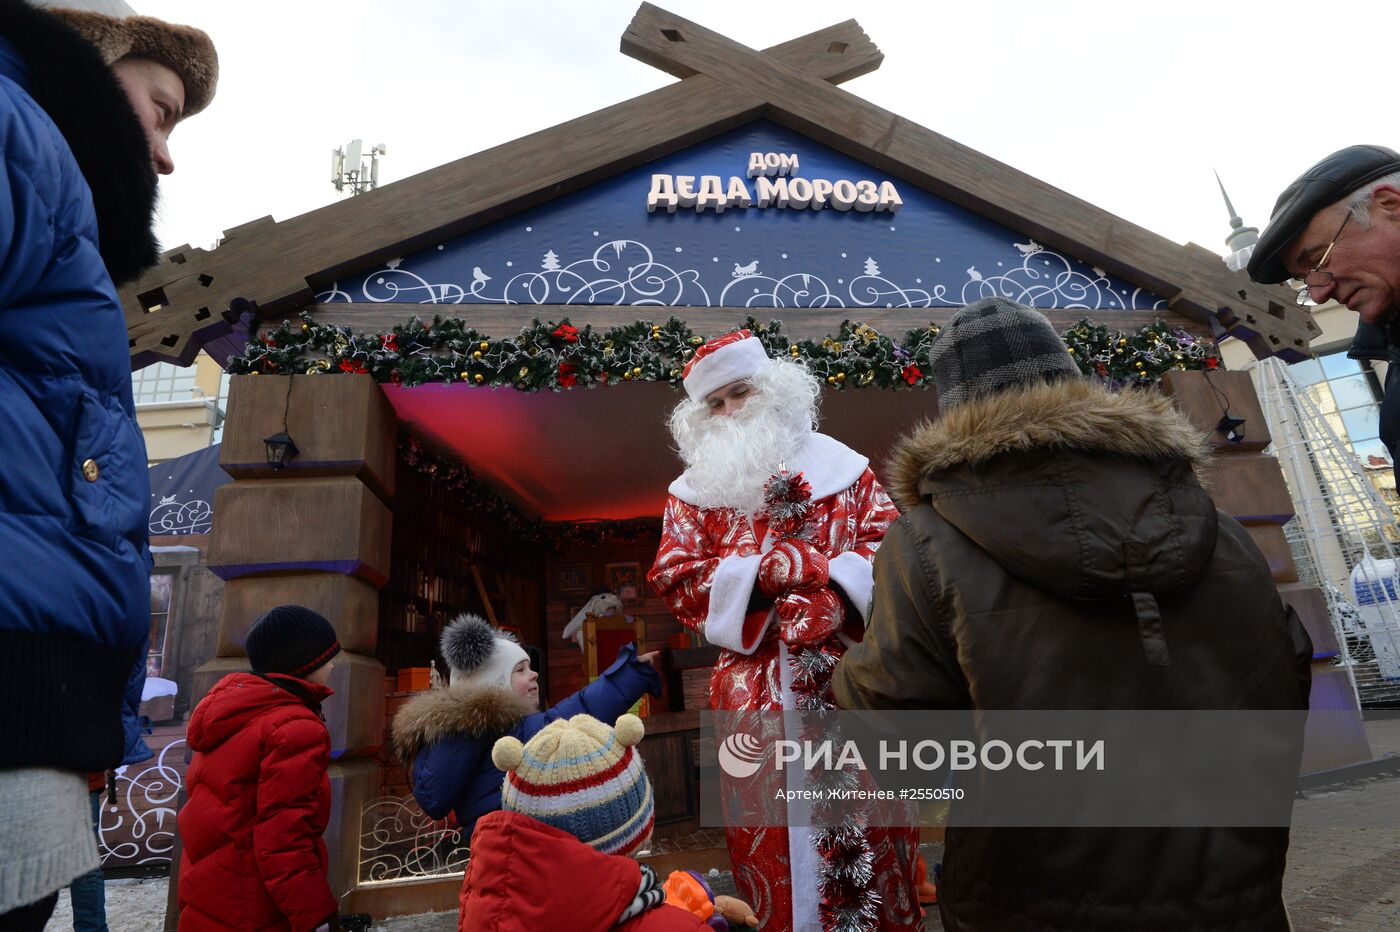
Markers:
(259, 797)
(577, 808)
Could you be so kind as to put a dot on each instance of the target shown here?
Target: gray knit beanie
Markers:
(992, 344)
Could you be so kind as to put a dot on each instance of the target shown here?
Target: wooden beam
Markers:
(1195, 282)
(798, 323)
(195, 294)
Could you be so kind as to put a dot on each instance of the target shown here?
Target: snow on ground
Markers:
(132, 906)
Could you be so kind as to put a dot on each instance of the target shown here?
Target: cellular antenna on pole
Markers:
(349, 169)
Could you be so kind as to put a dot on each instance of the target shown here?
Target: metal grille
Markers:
(1344, 537)
(399, 842)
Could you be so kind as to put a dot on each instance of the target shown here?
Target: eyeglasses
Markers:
(1317, 276)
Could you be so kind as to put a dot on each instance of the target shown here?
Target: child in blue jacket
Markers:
(444, 736)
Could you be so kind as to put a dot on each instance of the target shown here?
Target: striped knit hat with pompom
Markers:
(584, 778)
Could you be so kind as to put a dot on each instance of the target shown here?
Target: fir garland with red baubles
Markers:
(556, 356)
(1141, 358)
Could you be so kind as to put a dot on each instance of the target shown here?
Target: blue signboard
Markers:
(182, 492)
(872, 242)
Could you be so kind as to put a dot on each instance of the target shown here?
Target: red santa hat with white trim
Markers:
(730, 358)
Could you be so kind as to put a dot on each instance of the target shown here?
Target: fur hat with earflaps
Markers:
(117, 32)
(479, 654)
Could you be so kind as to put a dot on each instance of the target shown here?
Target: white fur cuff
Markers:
(730, 591)
(856, 576)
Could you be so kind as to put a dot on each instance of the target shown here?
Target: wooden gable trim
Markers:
(195, 294)
(1194, 281)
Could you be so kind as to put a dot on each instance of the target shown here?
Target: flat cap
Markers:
(1324, 184)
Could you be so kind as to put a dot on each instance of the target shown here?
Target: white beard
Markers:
(730, 459)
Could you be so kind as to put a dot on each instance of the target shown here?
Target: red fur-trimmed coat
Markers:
(705, 569)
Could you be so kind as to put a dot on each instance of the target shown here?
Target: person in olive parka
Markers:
(1057, 551)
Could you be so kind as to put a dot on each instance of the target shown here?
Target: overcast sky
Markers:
(1127, 105)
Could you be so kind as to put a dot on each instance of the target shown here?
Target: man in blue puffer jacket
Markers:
(87, 100)
(444, 736)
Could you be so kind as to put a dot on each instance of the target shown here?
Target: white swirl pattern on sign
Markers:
(626, 272)
(1057, 281)
(196, 517)
(140, 829)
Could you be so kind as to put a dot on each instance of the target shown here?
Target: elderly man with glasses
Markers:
(1337, 230)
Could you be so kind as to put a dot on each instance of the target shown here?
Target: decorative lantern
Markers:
(280, 450)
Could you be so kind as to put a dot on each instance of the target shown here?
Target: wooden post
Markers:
(316, 533)
(1248, 484)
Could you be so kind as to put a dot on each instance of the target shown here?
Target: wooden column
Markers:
(1248, 484)
(316, 533)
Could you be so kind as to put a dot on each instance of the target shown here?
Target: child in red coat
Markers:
(577, 808)
(259, 797)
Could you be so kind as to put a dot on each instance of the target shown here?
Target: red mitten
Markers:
(792, 564)
(808, 617)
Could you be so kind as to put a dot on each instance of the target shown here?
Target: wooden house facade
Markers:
(752, 187)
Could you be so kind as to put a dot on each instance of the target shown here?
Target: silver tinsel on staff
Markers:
(846, 864)
(845, 861)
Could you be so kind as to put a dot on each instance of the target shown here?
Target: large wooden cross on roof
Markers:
(197, 295)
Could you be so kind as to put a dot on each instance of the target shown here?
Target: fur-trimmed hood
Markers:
(1066, 415)
(1083, 492)
(482, 712)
